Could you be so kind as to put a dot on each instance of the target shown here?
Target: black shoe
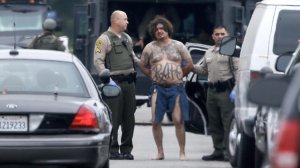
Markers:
(128, 156)
(116, 156)
(213, 157)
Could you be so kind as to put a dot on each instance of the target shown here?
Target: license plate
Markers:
(13, 123)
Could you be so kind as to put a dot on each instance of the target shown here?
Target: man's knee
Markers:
(177, 122)
(156, 125)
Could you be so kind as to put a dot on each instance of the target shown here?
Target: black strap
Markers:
(231, 67)
(125, 43)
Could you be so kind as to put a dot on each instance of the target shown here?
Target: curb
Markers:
(148, 124)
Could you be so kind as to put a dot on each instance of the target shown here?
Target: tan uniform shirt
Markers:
(217, 66)
(102, 47)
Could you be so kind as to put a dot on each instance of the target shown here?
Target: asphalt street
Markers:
(145, 149)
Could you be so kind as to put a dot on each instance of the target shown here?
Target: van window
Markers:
(287, 32)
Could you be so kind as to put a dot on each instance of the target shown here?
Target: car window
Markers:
(41, 77)
(287, 32)
(197, 55)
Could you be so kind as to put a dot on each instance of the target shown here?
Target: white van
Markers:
(274, 30)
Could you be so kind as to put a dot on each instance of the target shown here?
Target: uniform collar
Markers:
(118, 35)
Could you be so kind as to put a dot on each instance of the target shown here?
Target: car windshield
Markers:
(41, 77)
(24, 19)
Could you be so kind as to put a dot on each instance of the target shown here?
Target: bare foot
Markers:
(182, 157)
(158, 157)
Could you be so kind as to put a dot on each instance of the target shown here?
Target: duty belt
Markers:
(124, 78)
(221, 86)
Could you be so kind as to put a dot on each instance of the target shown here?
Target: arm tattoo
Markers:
(146, 59)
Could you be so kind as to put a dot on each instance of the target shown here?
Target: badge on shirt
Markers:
(98, 46)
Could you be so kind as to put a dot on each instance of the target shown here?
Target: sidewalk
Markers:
(143, 116)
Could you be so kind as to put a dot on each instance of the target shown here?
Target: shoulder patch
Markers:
(98, 46)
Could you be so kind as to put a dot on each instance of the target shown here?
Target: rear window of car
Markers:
(287, 32)
(41, 77)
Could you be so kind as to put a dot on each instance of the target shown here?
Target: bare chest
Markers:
(168, 53)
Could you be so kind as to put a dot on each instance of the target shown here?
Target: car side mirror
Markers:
(282, 62)
(228, 46)
(109, 90)
(268, 91)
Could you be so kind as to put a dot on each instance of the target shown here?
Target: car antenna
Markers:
(56, 91)
(14, 30)
(14, 51)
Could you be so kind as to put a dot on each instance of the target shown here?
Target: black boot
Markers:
(116, 156)
(213, 157)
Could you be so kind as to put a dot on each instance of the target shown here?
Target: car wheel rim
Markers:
(233, 138)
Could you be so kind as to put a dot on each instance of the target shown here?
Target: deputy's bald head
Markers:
(116, 15)
(119, 21)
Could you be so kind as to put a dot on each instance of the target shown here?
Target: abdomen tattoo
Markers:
(166, 73)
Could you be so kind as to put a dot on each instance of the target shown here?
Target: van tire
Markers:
(246, 156)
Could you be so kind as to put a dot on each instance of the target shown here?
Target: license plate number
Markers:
(9, 123)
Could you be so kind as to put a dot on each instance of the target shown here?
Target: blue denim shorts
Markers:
(166, 99)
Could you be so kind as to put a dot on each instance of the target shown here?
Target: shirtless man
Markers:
(166, 62)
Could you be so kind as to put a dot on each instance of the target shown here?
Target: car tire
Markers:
(246, 151)
(259, 158)
(260, 146)
(106, 165)
(233, 142)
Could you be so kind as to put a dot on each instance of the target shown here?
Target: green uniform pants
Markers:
(219, 108)
(123, 108)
